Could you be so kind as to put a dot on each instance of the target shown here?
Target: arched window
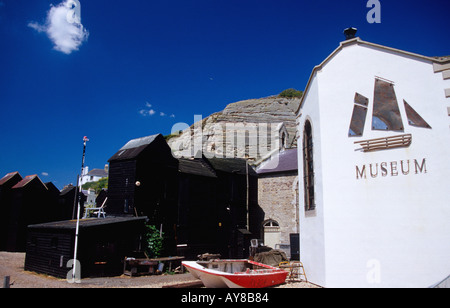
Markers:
(308, 167)
(283, 141)
(271, 223)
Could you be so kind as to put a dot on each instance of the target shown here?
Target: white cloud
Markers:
(37, 27)
(144, 112)
(63, 26)
(149, 111)
(44, 173)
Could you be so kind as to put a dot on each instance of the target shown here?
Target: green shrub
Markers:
(97, 186)
(154, 241)
(291, 93)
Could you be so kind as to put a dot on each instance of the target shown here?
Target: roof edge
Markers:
(358, 41)
(28, 179)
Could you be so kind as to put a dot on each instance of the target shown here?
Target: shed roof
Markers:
(134, 147)
(284, 161)
(86, 223)
(232, 165)
(67, 189)
(27, 180)
(52, 188)
(210, 167)
(196, 167)
(8, 177)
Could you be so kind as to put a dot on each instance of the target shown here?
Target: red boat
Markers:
(235, 273)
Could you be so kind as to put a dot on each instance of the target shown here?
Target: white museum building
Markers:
(374, 166)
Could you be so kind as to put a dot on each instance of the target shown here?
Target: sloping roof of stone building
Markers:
(284, 161)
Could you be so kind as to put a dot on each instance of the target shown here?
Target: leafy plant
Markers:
(291, 93)
(97, 186)
(154, 240)
(176, 134)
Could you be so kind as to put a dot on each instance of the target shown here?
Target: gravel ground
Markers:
(12, 264)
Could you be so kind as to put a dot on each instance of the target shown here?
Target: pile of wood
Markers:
(208, 257)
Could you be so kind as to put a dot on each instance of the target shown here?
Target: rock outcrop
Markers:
(247, 129)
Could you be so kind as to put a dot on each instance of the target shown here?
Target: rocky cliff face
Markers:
(247, 129)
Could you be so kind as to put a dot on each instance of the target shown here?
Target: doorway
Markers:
(272, 233)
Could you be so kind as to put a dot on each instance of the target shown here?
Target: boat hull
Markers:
(213, 274)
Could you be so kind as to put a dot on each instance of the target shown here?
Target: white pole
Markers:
(248, 196)
(85, 140)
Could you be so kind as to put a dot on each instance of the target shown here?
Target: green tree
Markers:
(97, 186)
(291, 93)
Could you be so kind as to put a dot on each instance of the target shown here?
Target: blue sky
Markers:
(136, 68)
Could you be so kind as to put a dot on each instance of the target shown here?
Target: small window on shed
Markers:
(54, 243)
(126, 208)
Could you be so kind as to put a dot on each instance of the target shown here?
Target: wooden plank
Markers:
(385, 143)
(385, 138)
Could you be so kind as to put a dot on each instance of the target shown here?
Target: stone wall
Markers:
(278, 198)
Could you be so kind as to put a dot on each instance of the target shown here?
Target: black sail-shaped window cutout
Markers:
(414, 119)
(359, 116)
(386, 113)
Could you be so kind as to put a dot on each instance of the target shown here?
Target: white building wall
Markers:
(387, 231)
(312, 241)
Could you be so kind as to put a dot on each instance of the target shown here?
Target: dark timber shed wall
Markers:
(200, 203)
(103, 244)
(49, 250)
(212, 206)
(6, 184)
(148, 161)
(121, 187)
(31, 203)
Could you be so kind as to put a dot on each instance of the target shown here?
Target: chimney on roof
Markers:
(350, 33)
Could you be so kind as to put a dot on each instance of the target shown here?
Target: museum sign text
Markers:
(393, 168)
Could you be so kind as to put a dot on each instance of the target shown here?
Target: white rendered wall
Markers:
(312, 240)
(383, 231)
